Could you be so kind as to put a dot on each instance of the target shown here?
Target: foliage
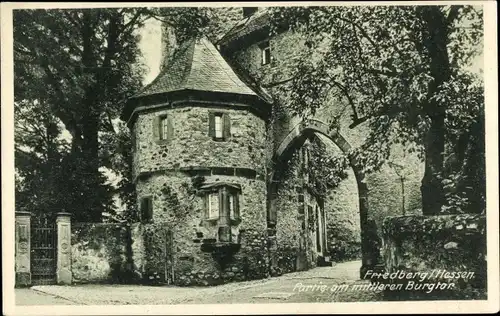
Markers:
(399, 69)
(74, 69)
(118, 156)
(325, 170)
(99, 254)
(82, 65)
(464, 176)
(155, 238)
(187, 22)
(41, 160)
(180, 202)
(426, 243)
(342, 246)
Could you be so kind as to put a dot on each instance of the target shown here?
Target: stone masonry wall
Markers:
(289, 254)
(191, 145)
(343, 221)
(294, 248)
(342, 215)
(284, 49)
(191, 229)
(385, 192)
(178, 205)
(179, 208)
(449, 250)
(99, 253)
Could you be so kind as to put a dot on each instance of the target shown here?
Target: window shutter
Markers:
(211, 124)
(170, 128)
(310, 213)
(156, 128)
(236, 205)
(226, 126)
(150, 209)
(206, 205)
(146, 209)
(142, 208)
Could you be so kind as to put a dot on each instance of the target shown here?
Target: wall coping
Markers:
(23, 213)
(417, 224)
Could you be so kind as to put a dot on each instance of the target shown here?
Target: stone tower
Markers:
(199, 165)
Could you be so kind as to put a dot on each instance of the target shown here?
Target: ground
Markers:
(32, 297)
(291, 288)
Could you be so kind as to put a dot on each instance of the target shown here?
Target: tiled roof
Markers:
(197, 65)
(246, 26)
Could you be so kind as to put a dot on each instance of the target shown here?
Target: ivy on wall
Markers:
(455, 243)
(181, 201)
(154, 235)
(325, 170)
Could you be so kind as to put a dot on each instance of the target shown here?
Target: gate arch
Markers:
(293, 140)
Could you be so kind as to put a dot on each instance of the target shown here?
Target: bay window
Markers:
(222, 203)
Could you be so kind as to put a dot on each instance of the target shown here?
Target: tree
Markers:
(78, 67)
(82, 63)
(40, 156)
(187, 22)
(402, 72)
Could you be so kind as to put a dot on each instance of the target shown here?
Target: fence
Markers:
(42, 250)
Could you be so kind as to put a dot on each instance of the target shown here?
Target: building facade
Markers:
(204, 135)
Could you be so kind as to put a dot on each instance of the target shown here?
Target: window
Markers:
(216, 209)
(231, 207)
(219, 126)
(265, 53)
(234, 206)
(164, 128)
(146, 209)
(213, 205)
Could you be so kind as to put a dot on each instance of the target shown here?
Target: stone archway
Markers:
(295, 137)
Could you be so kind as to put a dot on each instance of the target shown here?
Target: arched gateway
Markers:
(294, 139)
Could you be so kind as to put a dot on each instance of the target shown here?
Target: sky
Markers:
(151, 48)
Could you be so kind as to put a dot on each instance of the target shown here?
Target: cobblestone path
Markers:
(324, 284)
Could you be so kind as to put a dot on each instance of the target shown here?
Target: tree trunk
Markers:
(432, 188)
(435, 39)
(93, 197)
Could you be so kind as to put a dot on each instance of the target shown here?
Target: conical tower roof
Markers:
(196, 65)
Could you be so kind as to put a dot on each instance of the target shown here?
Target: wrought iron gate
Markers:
(43, 254)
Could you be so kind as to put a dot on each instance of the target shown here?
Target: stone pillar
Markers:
(23, 248)
(63, 271)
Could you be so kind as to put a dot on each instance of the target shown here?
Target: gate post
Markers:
(23, 248)
(63, 270)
